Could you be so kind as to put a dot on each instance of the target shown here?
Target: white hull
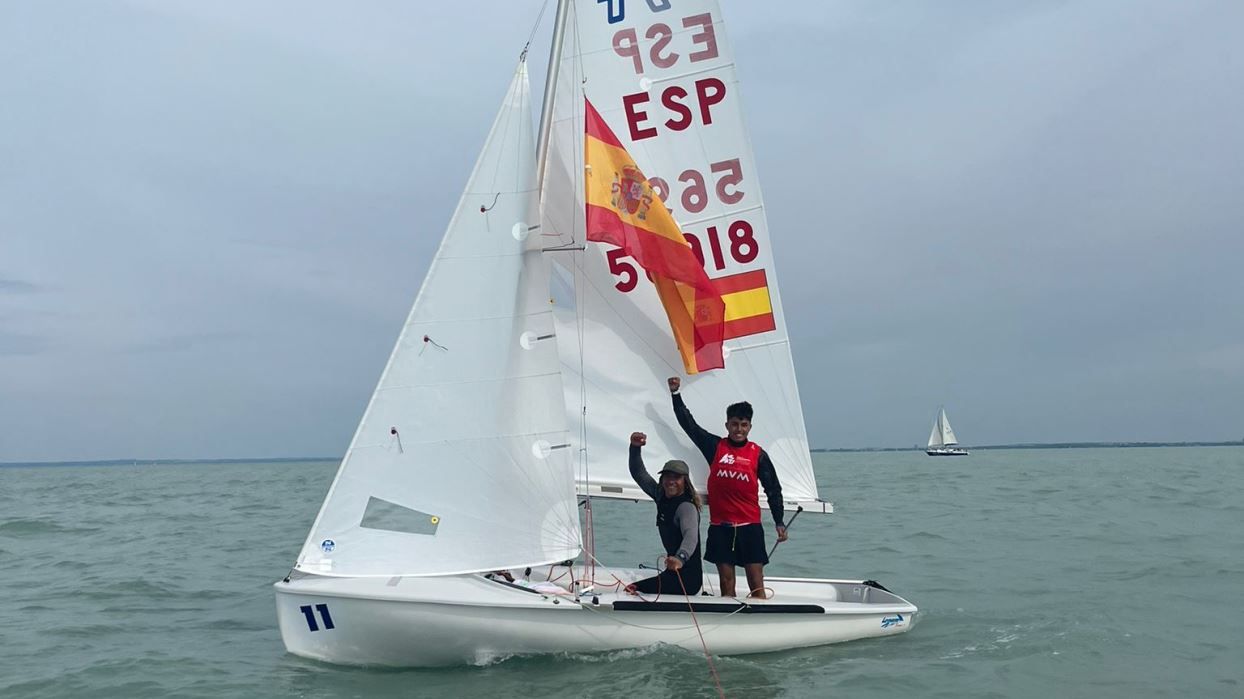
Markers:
(435, 621)
(946, 451)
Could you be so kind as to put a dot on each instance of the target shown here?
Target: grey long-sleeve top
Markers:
(686, 516)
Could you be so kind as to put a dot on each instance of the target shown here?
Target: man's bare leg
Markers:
(755, 580)
(725, 571)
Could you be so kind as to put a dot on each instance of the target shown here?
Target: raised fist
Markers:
(638, 439)
(675, 383)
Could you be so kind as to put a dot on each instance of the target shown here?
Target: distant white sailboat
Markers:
(942, 440)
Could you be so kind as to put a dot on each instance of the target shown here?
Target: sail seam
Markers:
(466, 382)
(454, 321)
(725, 214)
(689, 73)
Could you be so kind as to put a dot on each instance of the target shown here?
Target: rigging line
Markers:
(707, 656)
(581, 334)
(578, 187)
(534, 27)
(578, 44)
(503, 130)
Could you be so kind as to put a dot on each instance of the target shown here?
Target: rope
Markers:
(762, 588)
(534, 27)
(707, 656)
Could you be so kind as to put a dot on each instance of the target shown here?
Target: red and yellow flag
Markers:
(623, 210)
(749, 310)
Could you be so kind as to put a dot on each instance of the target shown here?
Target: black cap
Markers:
(676, 466)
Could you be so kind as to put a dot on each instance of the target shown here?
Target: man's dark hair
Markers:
(743, 411)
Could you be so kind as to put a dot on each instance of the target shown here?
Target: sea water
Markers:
(1039, 573)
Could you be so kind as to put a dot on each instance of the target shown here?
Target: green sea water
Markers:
(1039, 573)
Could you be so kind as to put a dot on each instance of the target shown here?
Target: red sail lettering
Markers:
(626, 45)
(707, 98)
(670, 98)
(634, 116)
(708, 37)
(663, 34)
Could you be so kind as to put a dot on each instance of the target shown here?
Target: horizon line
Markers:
(817, 450)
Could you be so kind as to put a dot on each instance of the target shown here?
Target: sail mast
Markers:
(550, 89)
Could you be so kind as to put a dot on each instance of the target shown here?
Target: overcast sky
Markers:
(215, 215)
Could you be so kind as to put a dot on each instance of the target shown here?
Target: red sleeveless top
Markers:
(733, 489)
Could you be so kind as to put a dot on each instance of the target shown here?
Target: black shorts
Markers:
(736, 545)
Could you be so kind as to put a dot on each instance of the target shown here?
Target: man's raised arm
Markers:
(704, 440)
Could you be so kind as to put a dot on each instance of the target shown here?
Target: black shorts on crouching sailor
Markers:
(736, 544)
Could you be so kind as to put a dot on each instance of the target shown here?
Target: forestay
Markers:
(461, 461)
(661, 74)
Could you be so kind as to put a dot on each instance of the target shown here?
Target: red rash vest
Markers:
(734, 485)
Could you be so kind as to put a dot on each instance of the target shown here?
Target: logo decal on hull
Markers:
(888, 621)
(328, 545)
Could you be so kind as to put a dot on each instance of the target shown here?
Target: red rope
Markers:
(690, 607)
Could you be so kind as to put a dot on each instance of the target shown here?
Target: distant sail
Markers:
(935, 437)
(948, 435)
(942, 434)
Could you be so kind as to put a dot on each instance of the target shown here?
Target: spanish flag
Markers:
(623, 210)
(749, 310)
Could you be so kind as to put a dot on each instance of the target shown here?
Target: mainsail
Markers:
(461, 461)
(662, 77)
(942, 435)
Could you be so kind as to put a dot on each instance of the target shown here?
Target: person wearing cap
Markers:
(737, 470)
(678, 522)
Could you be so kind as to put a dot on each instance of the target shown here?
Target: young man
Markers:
(678, 522)
(737, 469)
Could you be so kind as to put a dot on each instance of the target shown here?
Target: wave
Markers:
(37, 527)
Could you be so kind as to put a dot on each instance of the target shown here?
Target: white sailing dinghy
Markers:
(942, 440)
(498, 410)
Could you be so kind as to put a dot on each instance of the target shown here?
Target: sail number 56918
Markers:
(740, 242)
(739, 237)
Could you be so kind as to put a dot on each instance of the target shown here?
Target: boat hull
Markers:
(417, 622)
(946, 451)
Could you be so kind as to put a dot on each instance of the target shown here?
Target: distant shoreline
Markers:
(170, 462)
(821, 450)
(1055, 445)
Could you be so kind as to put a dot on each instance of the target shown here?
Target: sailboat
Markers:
(942, 440)
(452, 533)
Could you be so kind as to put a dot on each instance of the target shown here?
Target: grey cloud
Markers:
(1026, 211)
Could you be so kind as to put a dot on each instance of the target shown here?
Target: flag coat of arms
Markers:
(623, 210)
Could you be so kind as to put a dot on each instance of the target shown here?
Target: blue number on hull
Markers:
(309, 613)
(325, 616)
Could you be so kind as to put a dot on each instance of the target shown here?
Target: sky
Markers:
(214, 216)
